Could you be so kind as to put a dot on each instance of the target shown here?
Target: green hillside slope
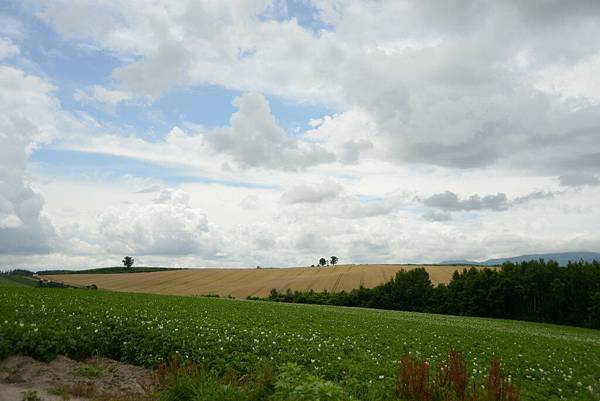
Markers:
(357, 348)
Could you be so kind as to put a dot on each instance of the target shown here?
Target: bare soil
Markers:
(66, 379)
(241, 283)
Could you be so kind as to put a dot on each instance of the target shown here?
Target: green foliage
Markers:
(17, 272)
(594, 310)
(89, 371)
(536, 291)
(107, 270)
(294, 383)
(62, 391)
(31, 396)
(355, 349)
(128, 262)
(197, 385)
(10, 280)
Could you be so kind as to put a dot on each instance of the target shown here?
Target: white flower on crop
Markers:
(381, 377)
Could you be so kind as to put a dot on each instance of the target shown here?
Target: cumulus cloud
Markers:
(253, 139)
(432, 215)
(419, 94)
(466, 85)
(333, 201)
(168, 226)
(160, 70)
(578, 180)
(349, 135)
(537, 195)
(99, 94)
(24, 228)
(8, 49)
(28, 120)
(450, 202)
(324, 192)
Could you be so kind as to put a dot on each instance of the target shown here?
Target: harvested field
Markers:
(241, 283)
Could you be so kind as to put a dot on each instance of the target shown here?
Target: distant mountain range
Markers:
(562, 258)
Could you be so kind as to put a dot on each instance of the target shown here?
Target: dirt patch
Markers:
(66, 379)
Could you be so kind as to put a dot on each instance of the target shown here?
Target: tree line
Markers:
(536, 290)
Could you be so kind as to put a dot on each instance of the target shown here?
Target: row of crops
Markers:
(356, 348)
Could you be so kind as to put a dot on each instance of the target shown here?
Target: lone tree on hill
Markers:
(334, 260)
(128, 262)
(322, 261)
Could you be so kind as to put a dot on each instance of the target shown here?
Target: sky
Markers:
(249, 132)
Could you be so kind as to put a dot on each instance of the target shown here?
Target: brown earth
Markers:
(241, 283)
(66, 379)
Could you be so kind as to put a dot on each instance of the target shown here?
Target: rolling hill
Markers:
(241, 283)
(562, 258)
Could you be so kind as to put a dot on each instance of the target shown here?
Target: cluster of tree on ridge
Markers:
(535, 291)
(324, 262)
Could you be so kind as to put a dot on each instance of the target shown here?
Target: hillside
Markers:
(241, 283)
(7, 280)
(355, 348)
(107, 270)
(563, 258)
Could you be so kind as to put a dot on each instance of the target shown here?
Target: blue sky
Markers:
(273, 133)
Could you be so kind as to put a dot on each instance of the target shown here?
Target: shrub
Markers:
(293, 383)
(416, 380)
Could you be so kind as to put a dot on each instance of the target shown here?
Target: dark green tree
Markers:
(322, 261)
(128, 262)
(334, 260)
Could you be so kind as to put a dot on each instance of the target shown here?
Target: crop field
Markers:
(356, 348)
(241, 283)
(17, 281)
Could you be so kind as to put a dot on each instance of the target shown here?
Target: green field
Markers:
(108, 270)
(356, 348)
(17, 281)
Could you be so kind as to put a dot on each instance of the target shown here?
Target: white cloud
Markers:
(253, 139)
(450, 85)
(28, 120)
(461, 96)
(168, 226)
(8, 49)
(576, 83)
(324, 192)
(97, 93)
(578, 180)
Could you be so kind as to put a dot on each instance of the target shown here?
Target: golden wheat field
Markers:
(241, 283)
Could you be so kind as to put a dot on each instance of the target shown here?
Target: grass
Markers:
(108, 270)
(355, 350)
(89, 371)
(17, 281)
(31, 396)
